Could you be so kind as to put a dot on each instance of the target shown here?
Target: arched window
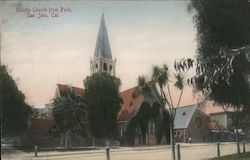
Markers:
(96, 66)
(110, 68)
(105, 66)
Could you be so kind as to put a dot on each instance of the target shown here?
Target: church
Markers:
(104, 62)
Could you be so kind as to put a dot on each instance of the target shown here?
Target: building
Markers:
(103, 61)
(221, 124)
(129, 110)
(191, 122)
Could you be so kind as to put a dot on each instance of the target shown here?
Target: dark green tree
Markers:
(152, 109)
(223, 37)
(69, 113)
(14, 110)
(103, 103)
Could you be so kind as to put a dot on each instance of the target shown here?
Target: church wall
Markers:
(199, 132)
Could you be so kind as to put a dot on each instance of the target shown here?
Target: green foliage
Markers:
(221, 24)
(143, 88)
(14, 110)
(103, 103)
(138, 125)
(155, 100)
(179, 81)
(223, 30)
(163, 126)
(160, 75)
(69, 112)
(241, 119)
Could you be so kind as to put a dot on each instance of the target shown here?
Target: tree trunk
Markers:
(172, 139)
(237, 131)
(237, 141)
(93, 142)
(66, 139)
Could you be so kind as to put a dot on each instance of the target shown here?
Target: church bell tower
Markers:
(102, 61)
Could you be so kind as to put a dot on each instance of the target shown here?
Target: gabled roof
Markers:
(102, 48)
(62, 89)
(129, 105)
(183, 116)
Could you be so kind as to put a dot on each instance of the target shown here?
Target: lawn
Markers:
(242, 156)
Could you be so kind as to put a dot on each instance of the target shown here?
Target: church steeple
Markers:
(102, 44)
(102, 61)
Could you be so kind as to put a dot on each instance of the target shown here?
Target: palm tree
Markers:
(161, 78)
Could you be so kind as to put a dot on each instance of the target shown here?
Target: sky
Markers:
(41, 52)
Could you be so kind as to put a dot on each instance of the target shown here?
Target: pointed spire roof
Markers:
(102, 44)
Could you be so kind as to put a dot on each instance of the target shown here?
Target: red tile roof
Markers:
(129, 104)
(63, 88)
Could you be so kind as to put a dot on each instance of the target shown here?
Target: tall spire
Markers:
(102, 48)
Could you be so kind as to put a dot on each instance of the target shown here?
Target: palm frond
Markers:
(179, 83)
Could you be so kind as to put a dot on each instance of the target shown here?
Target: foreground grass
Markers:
(242, 156)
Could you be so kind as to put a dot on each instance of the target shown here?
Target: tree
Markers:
(14, 110)
(150, 109)
(161, 81)
(69, 113)
(222, 62)
(103, 103)
(222, 54)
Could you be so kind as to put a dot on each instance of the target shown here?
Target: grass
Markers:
(242, 156)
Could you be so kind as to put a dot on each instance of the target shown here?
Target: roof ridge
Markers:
(195, 105)
(134, 87)
(69, 85)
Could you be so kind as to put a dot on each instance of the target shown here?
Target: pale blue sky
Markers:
(41, 52)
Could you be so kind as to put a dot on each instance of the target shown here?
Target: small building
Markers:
(221, 124)
(191, 122)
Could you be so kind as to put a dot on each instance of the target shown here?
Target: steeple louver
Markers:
(102, 48)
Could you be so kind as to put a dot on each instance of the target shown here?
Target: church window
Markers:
(96, 66)
(198, 122)
(105, 66)
(110, 67)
